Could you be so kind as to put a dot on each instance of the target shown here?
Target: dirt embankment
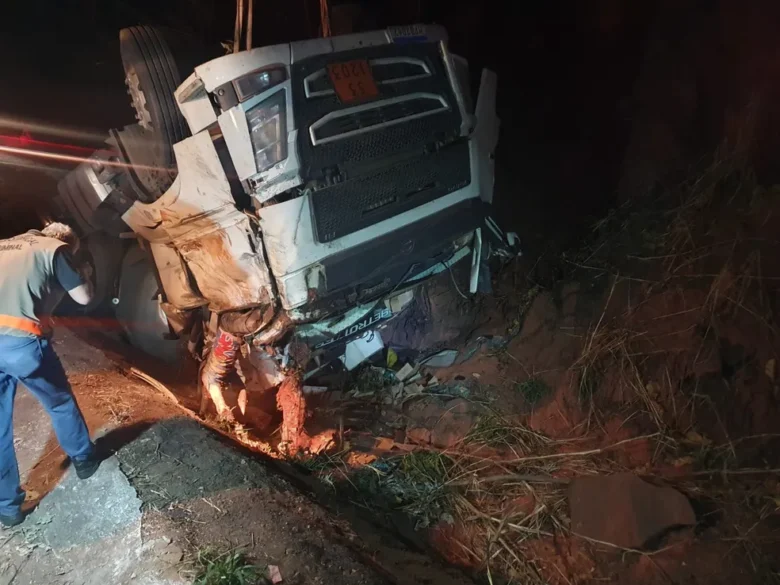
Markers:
(656, 356)
(662, 353)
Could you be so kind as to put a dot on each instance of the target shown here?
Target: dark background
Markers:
(599, 99)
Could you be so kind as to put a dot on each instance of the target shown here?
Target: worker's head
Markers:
(63, 233)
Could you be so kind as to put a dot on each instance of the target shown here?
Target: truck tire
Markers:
(104, 253)
(138, 309)
(152, 77)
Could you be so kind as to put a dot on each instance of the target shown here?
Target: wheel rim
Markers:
(138, 100)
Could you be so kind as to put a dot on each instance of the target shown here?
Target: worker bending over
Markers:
(36, 271)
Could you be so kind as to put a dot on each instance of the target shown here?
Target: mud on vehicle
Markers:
(293, 196)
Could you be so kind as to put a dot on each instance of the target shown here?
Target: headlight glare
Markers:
(268, 131)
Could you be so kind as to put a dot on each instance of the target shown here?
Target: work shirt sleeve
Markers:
(68, 277)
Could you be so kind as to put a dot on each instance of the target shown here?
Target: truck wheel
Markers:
(152, 76)
(138, 310)
(104, 253)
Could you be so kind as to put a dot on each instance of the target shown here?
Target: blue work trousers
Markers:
(33, 362)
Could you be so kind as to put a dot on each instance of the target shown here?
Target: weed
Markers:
(589, 383)
(495, 431)
(227, 568)
(371, 380)
(425, 466)
(533, 390)
(415, 483)
(492, 430)
(320, 462)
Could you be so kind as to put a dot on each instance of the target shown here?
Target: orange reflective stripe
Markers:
(22, 324)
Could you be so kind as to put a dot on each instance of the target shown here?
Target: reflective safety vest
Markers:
(29, 289)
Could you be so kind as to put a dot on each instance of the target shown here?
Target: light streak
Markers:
(38, 127)
(70, 158)
(26, 141)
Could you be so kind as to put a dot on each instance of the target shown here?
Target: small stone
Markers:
(274, 574)
(412, 389)
(419, 435)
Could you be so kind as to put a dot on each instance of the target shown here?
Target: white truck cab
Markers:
(321, 181)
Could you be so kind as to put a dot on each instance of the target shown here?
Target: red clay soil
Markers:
(681, 351)
(292, 404)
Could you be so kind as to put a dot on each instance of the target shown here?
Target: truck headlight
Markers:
(268, 130)
(258, 81)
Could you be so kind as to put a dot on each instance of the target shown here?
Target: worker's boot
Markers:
(13, 520)
(87, 467)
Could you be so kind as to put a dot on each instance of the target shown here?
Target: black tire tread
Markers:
(150, 52)
(169, 76)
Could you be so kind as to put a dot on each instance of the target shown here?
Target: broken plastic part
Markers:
(360, 349)
(476, 258)
(443, 359)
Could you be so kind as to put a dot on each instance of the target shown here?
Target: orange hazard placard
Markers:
(353, 80)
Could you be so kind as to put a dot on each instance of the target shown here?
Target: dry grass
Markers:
(510, 502)
(496, 431)
(507, 484)
(611, 355)
(118, 404)
(695, 244)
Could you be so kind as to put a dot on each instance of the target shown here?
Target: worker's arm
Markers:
(78, 285)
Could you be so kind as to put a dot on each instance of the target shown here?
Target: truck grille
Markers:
(346, 207)
(413, 116)
(350, 122)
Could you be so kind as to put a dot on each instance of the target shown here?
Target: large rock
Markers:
(625, 511)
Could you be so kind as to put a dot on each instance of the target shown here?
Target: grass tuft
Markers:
(495, 431)
(227, 568)
(425, 466)
(415, 483)
(533, 390)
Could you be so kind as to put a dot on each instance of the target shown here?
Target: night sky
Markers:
(566, 74)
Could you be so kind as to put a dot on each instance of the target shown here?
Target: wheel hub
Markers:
(138, 100)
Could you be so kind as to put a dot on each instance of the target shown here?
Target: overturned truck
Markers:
(282, 204)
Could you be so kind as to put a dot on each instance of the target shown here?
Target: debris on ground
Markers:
(406, 372)
(443, 359)
(274, 574)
